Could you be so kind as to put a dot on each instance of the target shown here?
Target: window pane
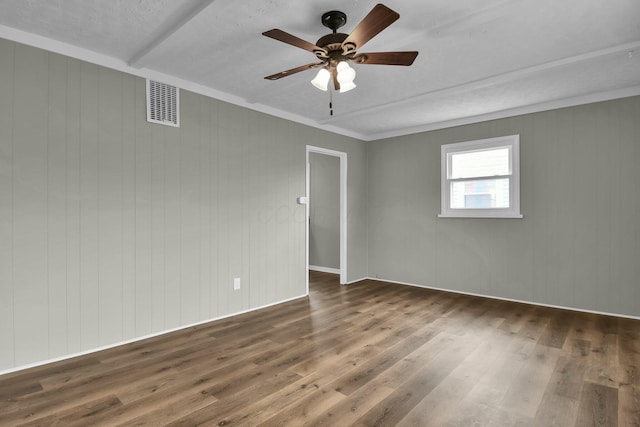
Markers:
(480, 194)
(480, 163)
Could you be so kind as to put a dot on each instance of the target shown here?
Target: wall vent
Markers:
(163, 103)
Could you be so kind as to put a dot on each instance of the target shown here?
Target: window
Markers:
(481, 179)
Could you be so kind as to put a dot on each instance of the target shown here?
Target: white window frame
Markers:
(446, 150)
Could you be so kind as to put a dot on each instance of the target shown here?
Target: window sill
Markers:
(474, 215)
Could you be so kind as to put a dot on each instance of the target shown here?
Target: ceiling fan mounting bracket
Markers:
(334, 19)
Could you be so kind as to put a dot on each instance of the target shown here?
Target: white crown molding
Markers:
(90, 56)
(332, 126)
(493, 80)
(511, 112)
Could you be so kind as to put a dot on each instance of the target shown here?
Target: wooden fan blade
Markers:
(377, 20)
(293, 41)
(386, 58)
(286, 73)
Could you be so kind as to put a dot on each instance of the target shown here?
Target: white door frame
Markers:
(343, 209)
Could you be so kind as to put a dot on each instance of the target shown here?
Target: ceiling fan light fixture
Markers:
(321, 80)
(346, 87)
(336, 50)
(346, 75)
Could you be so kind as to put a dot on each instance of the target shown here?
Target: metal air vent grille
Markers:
(163, 103)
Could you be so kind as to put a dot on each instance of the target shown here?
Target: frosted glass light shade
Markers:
(321, 80)
(346, 74)
(346, 87)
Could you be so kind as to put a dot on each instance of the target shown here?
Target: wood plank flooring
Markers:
(369, 354)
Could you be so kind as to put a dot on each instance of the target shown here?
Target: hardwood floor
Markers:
(370, 354)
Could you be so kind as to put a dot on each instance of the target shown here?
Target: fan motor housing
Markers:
(330, 41)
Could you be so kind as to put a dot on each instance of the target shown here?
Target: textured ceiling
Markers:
(479, 59)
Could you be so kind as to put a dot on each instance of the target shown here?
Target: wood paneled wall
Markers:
(112, 228)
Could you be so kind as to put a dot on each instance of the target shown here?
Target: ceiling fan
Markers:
(336, 50)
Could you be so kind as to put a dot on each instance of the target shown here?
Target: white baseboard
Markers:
(144, 337)
(604, 313)
(324, 269)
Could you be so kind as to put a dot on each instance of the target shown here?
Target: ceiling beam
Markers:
(173, 26)
(492, 80)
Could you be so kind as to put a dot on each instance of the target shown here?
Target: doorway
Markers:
(342, 208)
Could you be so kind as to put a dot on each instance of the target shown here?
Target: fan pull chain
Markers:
(330, 100)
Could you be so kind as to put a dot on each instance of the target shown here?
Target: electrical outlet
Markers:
(236, 283)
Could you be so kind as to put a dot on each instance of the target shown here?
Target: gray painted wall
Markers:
(112, 228)
(578, 244)
(324, 208)
(357, 204)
